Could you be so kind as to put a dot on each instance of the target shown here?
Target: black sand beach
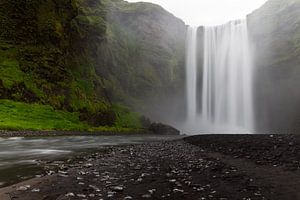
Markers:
(199, 167)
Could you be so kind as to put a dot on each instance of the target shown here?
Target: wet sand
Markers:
(201, 167)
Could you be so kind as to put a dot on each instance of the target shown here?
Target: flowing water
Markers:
(20, 157)
(191, 71)
(224, 104)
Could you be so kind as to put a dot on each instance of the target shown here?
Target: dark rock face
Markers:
(275, 30)
(163, 129)
(104, 118)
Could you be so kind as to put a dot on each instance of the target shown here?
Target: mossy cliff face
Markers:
(275, 30)
(84, 55)
(45, 56)
(142, 58)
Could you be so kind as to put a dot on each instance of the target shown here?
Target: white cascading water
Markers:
(226, 101)
(191, 71)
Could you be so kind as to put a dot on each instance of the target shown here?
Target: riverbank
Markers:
(212, 167)
(4, 133)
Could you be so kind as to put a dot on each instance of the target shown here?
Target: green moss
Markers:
(22, 116)
(73, 55)
(114, 129)
(10, 73)
(126, 118)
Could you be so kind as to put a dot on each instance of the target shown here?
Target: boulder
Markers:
(162, 129)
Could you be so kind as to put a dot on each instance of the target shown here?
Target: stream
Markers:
(20, 157)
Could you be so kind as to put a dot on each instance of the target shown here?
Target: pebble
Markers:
(127, 198)
(111, 194)
(81, 195)
(178, 190)
(117, 188)
(146, 196)
(95, 188)
(23, 188)
(35, 190)
(152, 191)
(70, 194)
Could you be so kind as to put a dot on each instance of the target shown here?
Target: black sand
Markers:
(201, 167)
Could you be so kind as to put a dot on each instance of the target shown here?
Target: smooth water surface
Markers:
(19, 156)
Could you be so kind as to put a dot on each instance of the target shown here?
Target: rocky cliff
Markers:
(144, 58)
(275, 31)
(85, 55)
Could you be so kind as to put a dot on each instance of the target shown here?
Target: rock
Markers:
(111, 194)
(178, 190)
(95, 188)
(162, 129)
(81, 195)
(63, 172)
(88, 165)
(70, 194)
(23, 188)
(152, 191)
(35, 190)
(127, 198)
(117, 188)
(146, 196)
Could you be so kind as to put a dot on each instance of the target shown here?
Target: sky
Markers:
(208, 12)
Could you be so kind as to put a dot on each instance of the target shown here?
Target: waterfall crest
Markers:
(225, 100)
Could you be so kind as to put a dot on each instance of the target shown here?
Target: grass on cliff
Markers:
(23, 116)
(126, 118)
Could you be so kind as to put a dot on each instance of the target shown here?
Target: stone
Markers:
(81, 195)
(146, 196)
(127, 198)
(23, 188)
(35, 190)
(162, 129)
(117, 188)
(70, 194)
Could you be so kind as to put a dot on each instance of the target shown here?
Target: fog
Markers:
(208, 12)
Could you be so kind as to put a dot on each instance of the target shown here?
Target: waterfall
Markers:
(191, 71)
(225, 99)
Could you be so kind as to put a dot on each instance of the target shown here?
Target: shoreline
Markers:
(4, 133)
(227, 167)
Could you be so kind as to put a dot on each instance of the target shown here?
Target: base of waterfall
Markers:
(200, 126)
(223, 167)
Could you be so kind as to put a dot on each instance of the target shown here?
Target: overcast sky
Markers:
(208, 12)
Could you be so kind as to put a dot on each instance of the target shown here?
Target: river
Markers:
(21, 158)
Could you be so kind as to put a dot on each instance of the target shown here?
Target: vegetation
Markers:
(23, 116)
(126, 118)
(76, 59)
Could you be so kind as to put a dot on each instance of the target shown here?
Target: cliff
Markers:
(275, 31)
(87, 55)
